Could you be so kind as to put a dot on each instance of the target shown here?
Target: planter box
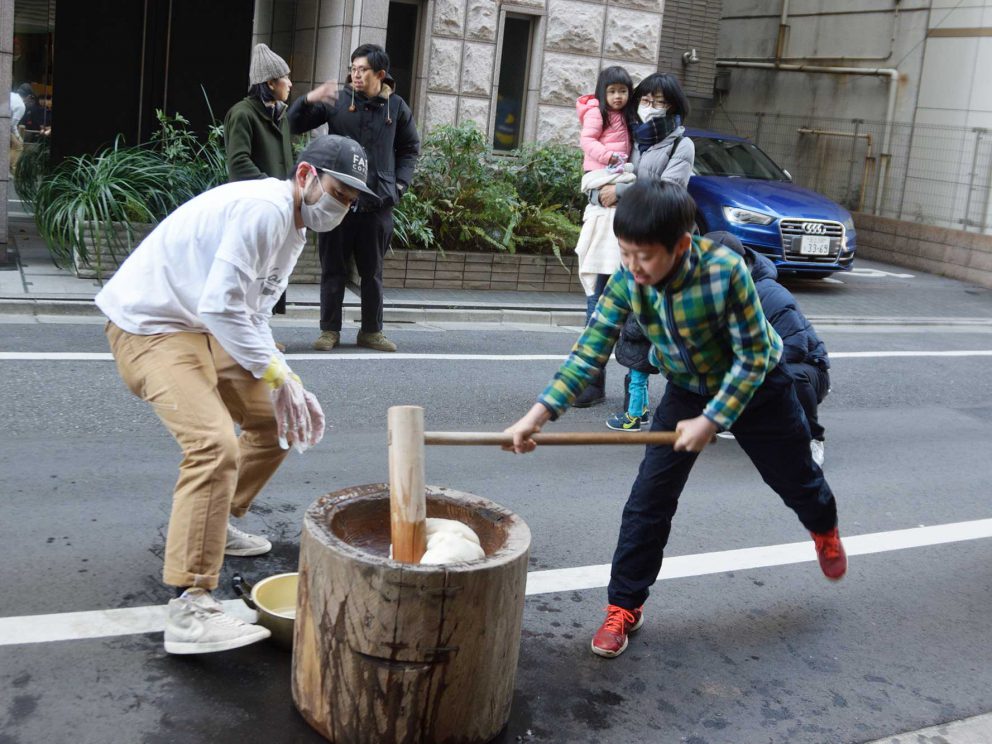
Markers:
(102, 266)
(498, 271)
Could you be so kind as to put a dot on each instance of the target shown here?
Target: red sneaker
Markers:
(611, 638)
(830, 553)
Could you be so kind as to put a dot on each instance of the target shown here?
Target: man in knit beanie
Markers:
(256, 130)
(266, 65)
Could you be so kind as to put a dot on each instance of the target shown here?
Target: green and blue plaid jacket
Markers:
(708, 332)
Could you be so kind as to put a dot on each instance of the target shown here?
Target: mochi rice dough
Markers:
(450, 541)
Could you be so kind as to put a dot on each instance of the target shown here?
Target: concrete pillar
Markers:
(6, 59)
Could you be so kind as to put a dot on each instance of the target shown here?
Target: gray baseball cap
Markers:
(340, 157)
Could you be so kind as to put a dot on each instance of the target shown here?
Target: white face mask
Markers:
(325, 214)
(650, 112)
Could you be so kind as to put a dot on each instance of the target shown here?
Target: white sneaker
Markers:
(725, 434)
(816, 449)
(197, 624)
(241, 543)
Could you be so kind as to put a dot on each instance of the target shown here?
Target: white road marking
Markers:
(975, 730)
(591, 577)
(73, 626)
(74, 356)
(876, 273)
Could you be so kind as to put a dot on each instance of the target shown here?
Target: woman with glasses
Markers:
(661, 152)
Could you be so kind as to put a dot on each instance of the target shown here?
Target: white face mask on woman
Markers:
(650, 112)
(325, 214)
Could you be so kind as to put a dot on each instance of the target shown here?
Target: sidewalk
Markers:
(36, 286)
(874, 294)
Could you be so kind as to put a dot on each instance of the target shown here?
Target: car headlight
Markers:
(849, 223)
(746, 217)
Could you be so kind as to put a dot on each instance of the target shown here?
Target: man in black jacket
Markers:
(370, 113)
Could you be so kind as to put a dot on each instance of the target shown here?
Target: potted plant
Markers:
(92, 210)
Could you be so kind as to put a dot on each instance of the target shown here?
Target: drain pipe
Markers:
(891, 73)
(783, 33)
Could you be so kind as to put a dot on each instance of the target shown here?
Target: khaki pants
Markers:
(16, 148)
(200, 392)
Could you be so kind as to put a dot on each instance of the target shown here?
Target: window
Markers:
(512, 89)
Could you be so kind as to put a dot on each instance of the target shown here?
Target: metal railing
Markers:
(936, 175)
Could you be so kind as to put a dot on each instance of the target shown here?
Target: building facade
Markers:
(889, 97)
(514, 68)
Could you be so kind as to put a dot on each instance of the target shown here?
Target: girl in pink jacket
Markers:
(604, 118)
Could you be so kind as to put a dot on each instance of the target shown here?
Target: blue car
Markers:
(738, 188)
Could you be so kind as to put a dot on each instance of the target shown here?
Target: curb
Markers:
(443, 313)
(463, 313)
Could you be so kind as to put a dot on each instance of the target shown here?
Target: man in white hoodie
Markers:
(189, 312)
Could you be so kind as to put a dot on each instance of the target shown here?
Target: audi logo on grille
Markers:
(814, 228)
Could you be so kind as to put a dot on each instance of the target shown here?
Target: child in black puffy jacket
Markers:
(632, 351)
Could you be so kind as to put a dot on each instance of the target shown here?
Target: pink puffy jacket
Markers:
(598, 143)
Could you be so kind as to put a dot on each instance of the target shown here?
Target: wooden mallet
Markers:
(407, 491)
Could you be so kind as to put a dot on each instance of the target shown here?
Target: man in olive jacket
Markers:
(370, 113)
(256, 130)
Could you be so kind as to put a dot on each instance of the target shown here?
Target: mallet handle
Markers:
(407, 493)
(563, 437)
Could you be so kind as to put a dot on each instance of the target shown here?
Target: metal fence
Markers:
(936, 175)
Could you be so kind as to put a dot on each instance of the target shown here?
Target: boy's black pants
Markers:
(773, 432)
(812, 385)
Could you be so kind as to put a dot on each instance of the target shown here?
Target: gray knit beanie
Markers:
(265, 65)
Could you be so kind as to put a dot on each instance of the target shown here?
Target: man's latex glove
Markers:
(299, 417)
(316, 418)
(293, 424)
(276, 374)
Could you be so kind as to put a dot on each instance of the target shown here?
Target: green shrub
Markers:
(465, 198)
(412, 222)
(32, 168)
(549, 175)
(198, 166)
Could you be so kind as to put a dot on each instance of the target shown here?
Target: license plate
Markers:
(814, 245)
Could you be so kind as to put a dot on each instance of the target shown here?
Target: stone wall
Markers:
(457, 71)
(572, 40)
(432, 270)
(953, 253)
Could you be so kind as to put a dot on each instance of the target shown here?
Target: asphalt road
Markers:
(773, 654)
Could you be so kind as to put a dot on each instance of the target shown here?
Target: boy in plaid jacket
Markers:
(697, 304)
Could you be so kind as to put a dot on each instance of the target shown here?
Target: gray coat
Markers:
(659, 163)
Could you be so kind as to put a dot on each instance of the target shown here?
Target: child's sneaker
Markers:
(646, 415)
(611, 638)
(830, 553)
(624, 422)
(620, 160)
